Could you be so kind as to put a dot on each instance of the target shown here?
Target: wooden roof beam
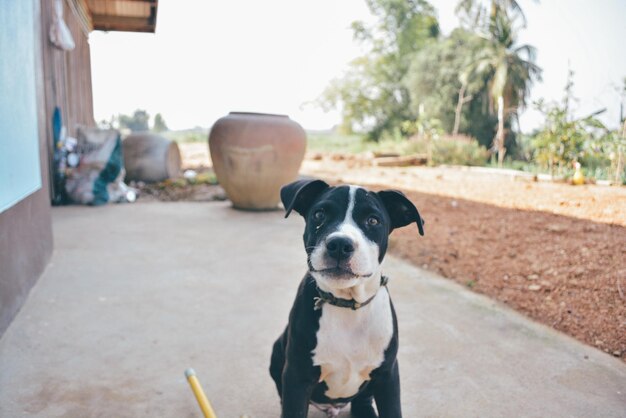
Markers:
(123, 23)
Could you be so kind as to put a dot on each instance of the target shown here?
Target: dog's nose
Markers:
(339, 248)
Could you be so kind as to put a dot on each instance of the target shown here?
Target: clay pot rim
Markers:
(239, 113)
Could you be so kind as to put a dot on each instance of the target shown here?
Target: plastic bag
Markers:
(60, 34)
(98, 177)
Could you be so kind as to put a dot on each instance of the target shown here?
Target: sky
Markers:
(277, 56)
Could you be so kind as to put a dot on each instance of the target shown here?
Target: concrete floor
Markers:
(135, 294)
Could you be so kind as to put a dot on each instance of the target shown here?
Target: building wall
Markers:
(63, 79)
(67, 75)
(20, 171)
(25, 227)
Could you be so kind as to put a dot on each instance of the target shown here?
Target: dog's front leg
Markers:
(387, 393)
(296, 395)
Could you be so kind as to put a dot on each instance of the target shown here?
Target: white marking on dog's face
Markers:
(362, 265)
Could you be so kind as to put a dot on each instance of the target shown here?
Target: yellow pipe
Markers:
(205, 406)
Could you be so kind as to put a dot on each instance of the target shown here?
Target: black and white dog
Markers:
(341, 341)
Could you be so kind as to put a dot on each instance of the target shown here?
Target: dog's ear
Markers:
(401, 210)
(300, 195)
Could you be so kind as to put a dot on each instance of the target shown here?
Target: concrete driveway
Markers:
(135, 294)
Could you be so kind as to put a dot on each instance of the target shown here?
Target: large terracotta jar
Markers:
(254, 154)
(151, 158)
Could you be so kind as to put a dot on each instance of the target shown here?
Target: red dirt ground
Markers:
(562, 271)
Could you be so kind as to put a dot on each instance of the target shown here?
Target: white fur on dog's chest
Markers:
(350, 344)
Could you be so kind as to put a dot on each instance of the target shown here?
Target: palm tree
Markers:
(509, 68)
(474, 11)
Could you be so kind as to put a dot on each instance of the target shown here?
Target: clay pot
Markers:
(150, 158)
(253, 155)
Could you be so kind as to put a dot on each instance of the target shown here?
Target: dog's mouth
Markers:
(340, 273)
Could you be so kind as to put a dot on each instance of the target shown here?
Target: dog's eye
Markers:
(319, 215)
(373, 221)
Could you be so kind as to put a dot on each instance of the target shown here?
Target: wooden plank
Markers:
(403, 161)
(122, 23)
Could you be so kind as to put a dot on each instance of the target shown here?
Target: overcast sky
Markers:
(210, 57)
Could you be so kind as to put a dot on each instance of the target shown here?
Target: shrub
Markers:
(605, 156)
(458, 150)
(447, 149)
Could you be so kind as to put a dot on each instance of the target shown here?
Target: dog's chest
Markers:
(350, 344)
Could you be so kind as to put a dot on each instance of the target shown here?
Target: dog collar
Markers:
(327, 297)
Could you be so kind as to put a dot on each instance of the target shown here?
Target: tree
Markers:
(159, 123)
(372, 94)
(474, 12)
(441, 79)
(513, 72)
(510, 68)
(137, 122)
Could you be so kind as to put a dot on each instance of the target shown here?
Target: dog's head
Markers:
(347, 228)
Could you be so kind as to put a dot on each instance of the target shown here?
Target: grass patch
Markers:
(331, 142)
(444, 150)
(188, 135)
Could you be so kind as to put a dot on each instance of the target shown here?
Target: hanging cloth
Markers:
(60, 34)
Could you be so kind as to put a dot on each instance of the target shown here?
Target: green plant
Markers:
(159, 124)
(458, 151)
(564, 139)
(605, 155)
(561, 140)
(203, 178)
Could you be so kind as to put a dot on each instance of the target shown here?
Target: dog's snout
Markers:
(339, 248)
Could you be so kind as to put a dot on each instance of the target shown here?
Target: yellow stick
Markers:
(205, 406)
